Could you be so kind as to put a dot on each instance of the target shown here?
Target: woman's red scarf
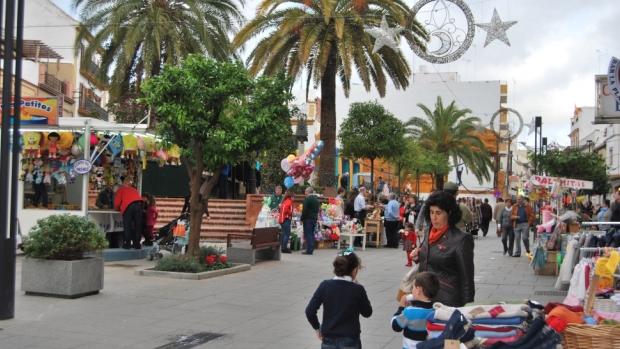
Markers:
(436, 234)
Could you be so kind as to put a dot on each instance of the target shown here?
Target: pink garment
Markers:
(489, 341)
(605, 315)
(547, 213)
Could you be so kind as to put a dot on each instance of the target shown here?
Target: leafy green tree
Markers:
(573, 163)
(449, 132)
(415, 160)
(371, 132)
(327, 40)
(213, 111)
(135, 37)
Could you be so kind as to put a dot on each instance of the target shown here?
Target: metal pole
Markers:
(86, 175)
(7, 249)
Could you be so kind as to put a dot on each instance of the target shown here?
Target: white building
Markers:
(60, 72)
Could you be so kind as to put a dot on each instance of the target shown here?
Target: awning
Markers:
(34, 50)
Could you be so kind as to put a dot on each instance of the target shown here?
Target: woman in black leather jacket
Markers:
(450, 253)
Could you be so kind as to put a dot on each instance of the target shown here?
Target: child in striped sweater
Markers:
(415, 309)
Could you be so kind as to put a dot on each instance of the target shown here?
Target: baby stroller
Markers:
(172, 237)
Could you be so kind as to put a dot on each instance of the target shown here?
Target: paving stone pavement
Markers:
(260, 308)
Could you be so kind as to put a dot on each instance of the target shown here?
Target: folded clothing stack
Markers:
(490, 323)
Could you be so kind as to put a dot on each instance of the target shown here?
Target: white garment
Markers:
(567, 266)
(344, 278)
(360, 203)
(578, 282)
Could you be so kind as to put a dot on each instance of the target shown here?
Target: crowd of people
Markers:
(438, 237)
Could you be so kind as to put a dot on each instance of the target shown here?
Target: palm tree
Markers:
(327, 39)
(136, 37)
(450, 132)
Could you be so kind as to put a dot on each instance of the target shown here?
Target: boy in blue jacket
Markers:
(415, 309)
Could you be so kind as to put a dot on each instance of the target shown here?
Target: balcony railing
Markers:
(53, 85)
(91, 67)
(93, 109)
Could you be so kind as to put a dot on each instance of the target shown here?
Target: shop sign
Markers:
(607, 105)
(82, 166)
(562, 182)
(38, 111)
(613, 77)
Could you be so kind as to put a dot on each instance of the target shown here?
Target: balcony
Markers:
(92, 109)
(53, 85)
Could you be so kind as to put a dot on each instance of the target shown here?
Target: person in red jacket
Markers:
(286, 215)
(150, 217)
(129, 201)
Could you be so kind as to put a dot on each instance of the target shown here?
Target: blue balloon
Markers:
(289, 182)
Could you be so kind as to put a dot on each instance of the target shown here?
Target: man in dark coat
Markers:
(486, 214)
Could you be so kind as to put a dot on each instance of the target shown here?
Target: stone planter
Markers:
(64, 279)
(236, 268)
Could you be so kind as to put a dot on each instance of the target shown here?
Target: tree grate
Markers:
(190, 341)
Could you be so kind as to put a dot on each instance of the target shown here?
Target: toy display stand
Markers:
(351, 231)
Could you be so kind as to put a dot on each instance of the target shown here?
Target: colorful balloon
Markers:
(289, 182)
(291, 158)
(285, 165)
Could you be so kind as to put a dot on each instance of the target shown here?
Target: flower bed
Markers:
(209, 263)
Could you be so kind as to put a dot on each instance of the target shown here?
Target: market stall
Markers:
(73, 167)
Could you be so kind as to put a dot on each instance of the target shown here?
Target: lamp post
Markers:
(537, 141)
(8, 179)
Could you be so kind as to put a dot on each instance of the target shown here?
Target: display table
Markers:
(111, 222)
(374, 226)
(352, 237)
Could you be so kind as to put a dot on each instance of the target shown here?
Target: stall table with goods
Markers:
(73, 167)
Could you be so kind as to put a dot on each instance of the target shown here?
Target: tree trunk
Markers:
(417, 184)
(399, 176)
(252, 177)
(372, 179)
(195, 205)
(439, 180)
(327, 177)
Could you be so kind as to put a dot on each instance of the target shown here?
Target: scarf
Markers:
(436, 234)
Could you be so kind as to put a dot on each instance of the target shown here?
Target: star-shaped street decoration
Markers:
(384, 36)
(496, 29)
(531, 126)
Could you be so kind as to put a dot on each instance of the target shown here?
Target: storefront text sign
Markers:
(562, 182)
(39, 111)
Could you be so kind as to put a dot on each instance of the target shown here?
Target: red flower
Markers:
(210, 259)
(223, 259)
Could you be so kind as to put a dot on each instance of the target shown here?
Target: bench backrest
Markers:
(263, 237)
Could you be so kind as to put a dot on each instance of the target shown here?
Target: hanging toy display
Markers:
(52, 145)
(130, 146)
(32, 145)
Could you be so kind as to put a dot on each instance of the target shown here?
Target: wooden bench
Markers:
(264, 245)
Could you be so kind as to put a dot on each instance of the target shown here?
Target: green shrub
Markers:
(64, 237)
(179, 263)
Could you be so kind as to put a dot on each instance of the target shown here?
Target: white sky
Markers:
(557, 47)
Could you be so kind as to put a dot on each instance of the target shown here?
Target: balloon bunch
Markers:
(300, 168)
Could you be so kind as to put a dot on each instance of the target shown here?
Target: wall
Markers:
(46, 22)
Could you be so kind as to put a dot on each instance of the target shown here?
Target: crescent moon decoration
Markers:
(446, 43)
(442, 25)
(510, 135)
